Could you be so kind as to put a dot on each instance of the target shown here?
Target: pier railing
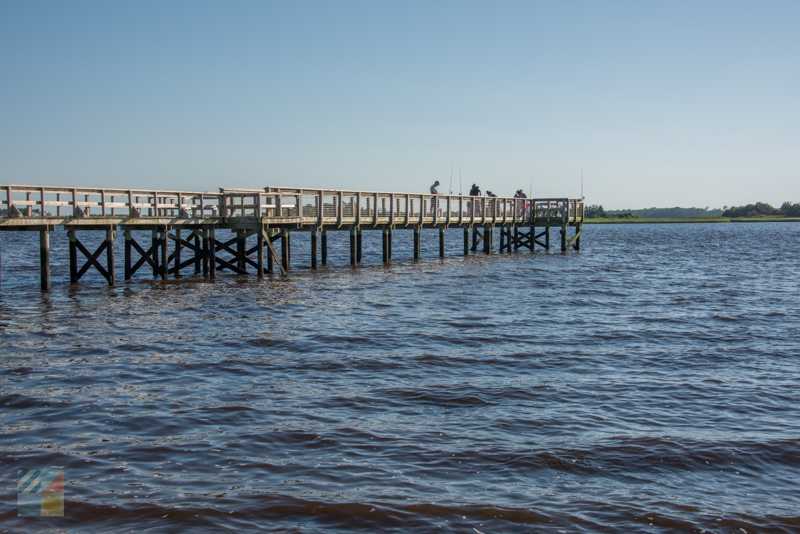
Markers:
(287, 205)
(81, 202)
(306, 206)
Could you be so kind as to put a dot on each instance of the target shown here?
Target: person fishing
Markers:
(521, 205)
(434, 191)
(475, 192)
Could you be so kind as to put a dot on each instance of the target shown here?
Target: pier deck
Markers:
(191, 219)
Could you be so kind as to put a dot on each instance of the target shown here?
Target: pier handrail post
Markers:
(299, 202)
(408, 208)
(375, 215)
(391, 209)
(472, 210)
(41, 201)
(9, 202)
(279, 205)
(449, 203)
(75, 206)
(460, 209)
(339, 212)
(320, 207)
(483, 210)
(223, 204)
(514, 212)
(421, 210)
(357, 208)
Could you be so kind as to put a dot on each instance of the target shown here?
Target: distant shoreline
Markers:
(691, 220)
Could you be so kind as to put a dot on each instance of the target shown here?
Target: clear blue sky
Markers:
(660, 103)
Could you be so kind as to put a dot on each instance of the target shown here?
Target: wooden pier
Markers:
(184, 226)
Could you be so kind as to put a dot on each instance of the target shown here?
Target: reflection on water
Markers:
(650, 379)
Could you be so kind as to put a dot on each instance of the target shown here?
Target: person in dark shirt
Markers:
(475, 192)
(521, 204)
(434, 202)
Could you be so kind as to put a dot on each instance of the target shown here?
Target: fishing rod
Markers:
(530, 190)
(451, 177)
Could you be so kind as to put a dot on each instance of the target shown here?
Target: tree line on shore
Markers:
(762, 209)
(597, 212)
(759, 209)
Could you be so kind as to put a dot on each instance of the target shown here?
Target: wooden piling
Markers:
(206, 252)
(324, 246)
(270, 259)
(352, 245)
(241, 250)
(417, 230)
(164, 255)
(441, 241)
(112, 273)
(385, 244)
(44, 259)
(487, 240)
(73, 257)
(389, 241)
(285, 252)
(502, 238)
(154, 243)
(358, 245)
(127, 236)
(563, 239)
(178, 247)
(547, 238)
(260, 252)
(314, 248)
(466, 241)
(212, 252)
(198, 256)
(578, 237)
(474, 239)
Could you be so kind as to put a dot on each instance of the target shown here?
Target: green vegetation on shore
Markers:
(762, 209)
(597, 212)
(758, 212)
(692, 220)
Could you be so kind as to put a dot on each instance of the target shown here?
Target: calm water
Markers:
(649, 383)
